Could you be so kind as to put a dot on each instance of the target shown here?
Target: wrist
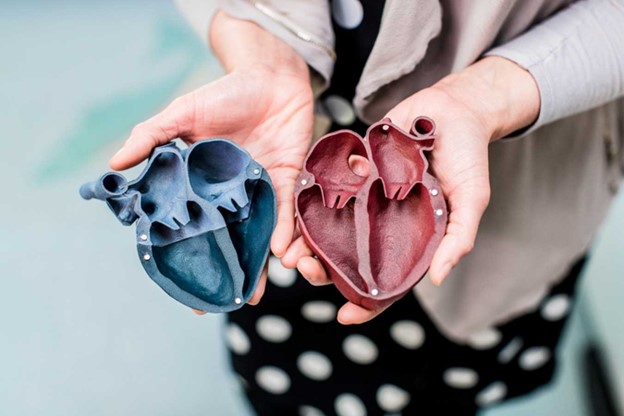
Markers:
(242, 45)
(503, 95)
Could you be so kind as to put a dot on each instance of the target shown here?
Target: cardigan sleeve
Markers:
(304, 25)
(576, 58)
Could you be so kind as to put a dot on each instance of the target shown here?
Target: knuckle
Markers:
(160, 136)
(177, 102)
(481, 196)
(467, 246)
(485, 195)
(185, 112)
(139, 129)
(178, 105)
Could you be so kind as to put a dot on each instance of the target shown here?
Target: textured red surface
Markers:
(370, 210)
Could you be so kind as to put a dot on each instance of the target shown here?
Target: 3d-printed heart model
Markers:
(204, 220)
(370, 211)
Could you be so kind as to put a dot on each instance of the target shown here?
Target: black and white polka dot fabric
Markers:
(293, 358)
(355, 24)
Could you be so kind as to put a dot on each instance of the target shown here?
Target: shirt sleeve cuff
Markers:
(573, 58)
(305, 26)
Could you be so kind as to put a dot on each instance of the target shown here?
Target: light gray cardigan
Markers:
(552, 187)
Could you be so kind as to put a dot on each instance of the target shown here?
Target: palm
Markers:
(270, 116)
(272, 121)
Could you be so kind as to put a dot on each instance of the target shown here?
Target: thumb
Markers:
(175, 120)
(466, 209)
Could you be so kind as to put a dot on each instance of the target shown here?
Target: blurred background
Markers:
(83, 331)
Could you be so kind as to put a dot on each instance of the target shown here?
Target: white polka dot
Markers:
(493, 393)
(273, 380)
(485, 339)
(556, 307)
(237, 339)
(310, 411)
(408, 334)
(510, 350)
(273, 328)
(461, 377)
(280, 275)
(318, 311)
(392, 398)
(314, 365)
(534, 357)
(360, 349)
(348, 13)
(340, 110)
(349, 405)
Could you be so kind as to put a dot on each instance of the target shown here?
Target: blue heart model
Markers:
(204, 221)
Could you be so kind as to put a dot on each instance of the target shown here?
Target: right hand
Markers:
(267, 111)
(486, 101)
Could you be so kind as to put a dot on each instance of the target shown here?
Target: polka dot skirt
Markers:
(293, 358)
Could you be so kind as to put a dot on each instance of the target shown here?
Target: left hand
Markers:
(488, 100)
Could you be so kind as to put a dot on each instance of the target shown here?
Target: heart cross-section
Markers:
(204, 217)
(371, 211)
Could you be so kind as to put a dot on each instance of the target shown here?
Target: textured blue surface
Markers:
(204, 221)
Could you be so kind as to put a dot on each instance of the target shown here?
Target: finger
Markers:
(466, 209)
(402, 116)
(313, 271)
(297, 233)
(352, 314)
(198, 312)
(284, 228)
(255, 299)
(359, 165)
(175, 120)
(295, 251)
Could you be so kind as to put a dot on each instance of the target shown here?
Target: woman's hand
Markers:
(264, 104)
(488, 100)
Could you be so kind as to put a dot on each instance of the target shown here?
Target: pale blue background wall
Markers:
(82, 329)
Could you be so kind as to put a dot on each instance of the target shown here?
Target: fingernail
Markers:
(311, 281)
(319, 283)
(198, 312)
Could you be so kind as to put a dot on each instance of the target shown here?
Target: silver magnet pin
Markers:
(143, 237)
(304, 182)
(256, 171)
(439, 212)
(434, 192)
(385, 127)
(238, 301)
(374, 292)
(146, 257)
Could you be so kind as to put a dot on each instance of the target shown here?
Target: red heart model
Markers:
(370, 211)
